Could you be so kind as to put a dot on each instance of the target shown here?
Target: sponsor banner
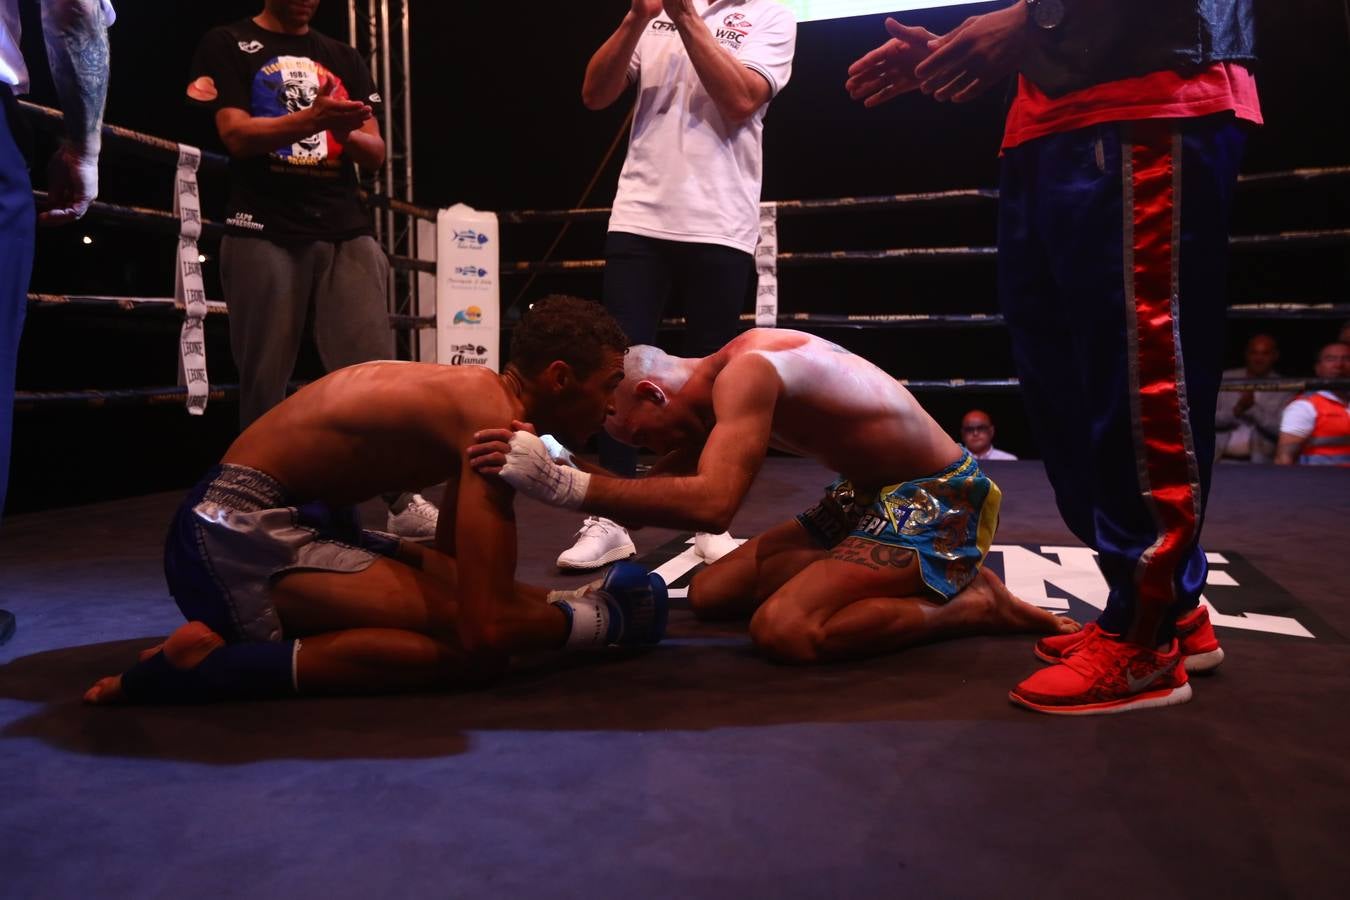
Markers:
(468, 288)
(1067, 581)
(189, 289)
(766, 266)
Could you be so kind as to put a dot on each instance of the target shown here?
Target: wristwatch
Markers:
(1046, 14)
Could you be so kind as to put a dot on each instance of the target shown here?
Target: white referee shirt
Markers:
(690, 175)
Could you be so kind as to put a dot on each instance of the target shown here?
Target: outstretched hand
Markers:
(888, 71)
(974, 56)
(529, 470)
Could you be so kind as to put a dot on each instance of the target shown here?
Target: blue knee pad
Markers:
(638, 605)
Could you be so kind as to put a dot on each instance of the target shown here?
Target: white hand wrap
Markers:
(557, 452)
(530, 471)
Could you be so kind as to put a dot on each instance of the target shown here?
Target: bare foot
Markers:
(185, 649)
(992, 609)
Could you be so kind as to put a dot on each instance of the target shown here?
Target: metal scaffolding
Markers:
(380, 32)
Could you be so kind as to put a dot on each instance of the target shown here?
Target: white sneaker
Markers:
(599, 543)
(417, 522)
(713, 547)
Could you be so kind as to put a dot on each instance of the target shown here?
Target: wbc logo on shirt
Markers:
(734, 29)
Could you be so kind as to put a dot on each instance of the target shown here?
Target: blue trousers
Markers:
(711, 282)
(1113, 248)
(17, 224)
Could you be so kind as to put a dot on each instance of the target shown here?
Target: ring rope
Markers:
(28, 401)
(859, 321)
(167, 223)
(147, 146)
(1277, 241)
(170, 304)
(157, 149)
(893, 201)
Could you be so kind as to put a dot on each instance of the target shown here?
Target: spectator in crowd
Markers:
(977, 433)
(296, 111)
(1315, 428)
(1247, 423)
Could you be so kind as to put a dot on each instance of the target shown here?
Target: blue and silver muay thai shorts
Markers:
(947, 519)
(237, 532)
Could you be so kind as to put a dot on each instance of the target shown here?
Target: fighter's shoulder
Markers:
(476, 388)
(753, 372)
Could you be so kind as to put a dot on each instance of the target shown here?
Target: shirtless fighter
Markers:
(286, 594)
(891, 556)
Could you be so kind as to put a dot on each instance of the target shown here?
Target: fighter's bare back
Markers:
(841, 410)
(374, 428)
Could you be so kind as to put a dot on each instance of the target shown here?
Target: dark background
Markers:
(498, 124)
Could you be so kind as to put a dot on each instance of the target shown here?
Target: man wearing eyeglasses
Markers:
(977, 433)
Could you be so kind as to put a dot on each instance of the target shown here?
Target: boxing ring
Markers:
(696, 769)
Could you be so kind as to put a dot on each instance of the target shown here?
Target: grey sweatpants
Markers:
(272, 289)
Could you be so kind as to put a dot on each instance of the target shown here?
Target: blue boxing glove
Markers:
(628, 608)
(637, 599)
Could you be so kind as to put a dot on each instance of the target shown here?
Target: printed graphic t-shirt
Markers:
(306, 190)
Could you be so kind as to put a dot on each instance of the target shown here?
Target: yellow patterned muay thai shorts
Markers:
(947, 519)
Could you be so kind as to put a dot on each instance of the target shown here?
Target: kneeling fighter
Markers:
(891, 556)
(286, 594)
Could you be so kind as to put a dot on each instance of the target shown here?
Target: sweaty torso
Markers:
(373, 428)
(843, 411)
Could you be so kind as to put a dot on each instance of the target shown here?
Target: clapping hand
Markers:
(888, 71)
(974, 56)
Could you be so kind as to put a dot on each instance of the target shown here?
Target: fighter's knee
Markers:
(720, 592)
(708, 597)
(784, 637)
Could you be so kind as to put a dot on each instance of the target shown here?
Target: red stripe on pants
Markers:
(1162, 431)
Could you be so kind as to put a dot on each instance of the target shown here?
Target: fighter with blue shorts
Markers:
(891, 557)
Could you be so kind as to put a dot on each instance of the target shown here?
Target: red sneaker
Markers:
(1199, 645)
(1106, 676)
(1053, 649)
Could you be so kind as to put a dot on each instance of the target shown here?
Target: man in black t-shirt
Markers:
(296, 111)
